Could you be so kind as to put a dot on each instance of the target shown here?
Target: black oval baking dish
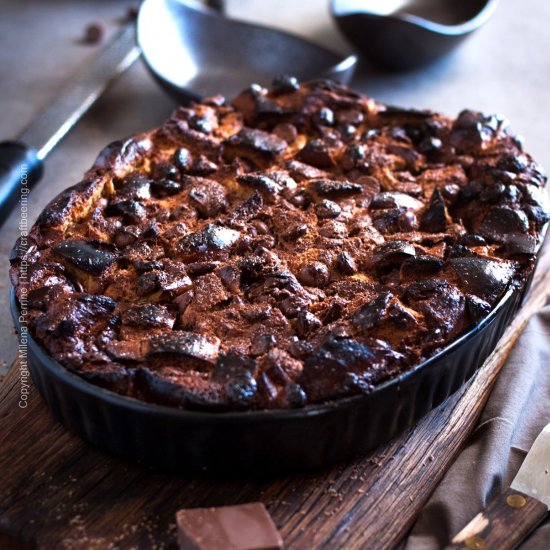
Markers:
(263, 442)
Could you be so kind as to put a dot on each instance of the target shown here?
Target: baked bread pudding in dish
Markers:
(299, 244)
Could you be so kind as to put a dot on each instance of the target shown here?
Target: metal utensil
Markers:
(194, 51)
(402, 34)
(21, 160)
(512, 515)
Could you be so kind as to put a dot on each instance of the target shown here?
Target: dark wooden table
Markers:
(59, 492)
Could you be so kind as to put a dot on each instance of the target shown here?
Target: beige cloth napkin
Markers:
(517, 410)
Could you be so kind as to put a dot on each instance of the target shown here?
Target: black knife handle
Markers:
(20, 169)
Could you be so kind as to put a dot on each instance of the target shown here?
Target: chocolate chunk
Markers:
(484, 278)
(87, 256)
(478, 308)
(295, 232)
(239, 527)
(354, 157)
(491, 195)
(183, 159)
(346, 264)
(257, 141)
(261, 182)
(538, 215)
(126, 350)
(502, 221)
(203, 349)
(132, 212)
(441, 303)
(460, 251)
(421, 266)
(306, 323)
(285, 84)
(165, 187)
(372, 313)
(335, 188)
(333, 311)
(340, 354)
(519, 245)
(424, 290)
(262, 343)
(143, 266)
(471, 130)
(347, 367)
(513, 163)
(148, 316)
(267, 109)
(203, 166)
(388, 221)
(172, 280)
(434, 218)
(302, 171)
(470, 239)
(249, 208)
(407, 221)
(202, 124)
(430, 146)
(257, 108)
(236, 371)
(324, 117)
(207, 196)
(314, 274)
(212, 241)
(201, 268)
(332, 229)
(535, 196)
(409, 156)
(135, 187)
(395, 200)
(164, 170)
(393, 254)
(317, 153)
(383, 307)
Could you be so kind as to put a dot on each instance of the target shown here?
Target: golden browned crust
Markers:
(300, 244)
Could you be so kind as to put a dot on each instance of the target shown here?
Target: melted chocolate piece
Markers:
(165, 188)
(257, 141)
(486, 279)
(211, 241)
(185, 344)
(317, 153)
(434, 218)
(335, 188)
(500, 222)
(87, 256)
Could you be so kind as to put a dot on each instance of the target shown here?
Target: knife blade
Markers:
(512, 515)
(21, 160)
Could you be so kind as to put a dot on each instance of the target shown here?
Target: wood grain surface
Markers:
(59, 492)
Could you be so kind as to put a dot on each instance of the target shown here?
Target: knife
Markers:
(512, 515)
(21, 160)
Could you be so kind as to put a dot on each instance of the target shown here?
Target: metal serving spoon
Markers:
(194, 51)
(402, 34)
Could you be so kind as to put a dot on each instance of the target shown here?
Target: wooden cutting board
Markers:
(59, 492)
